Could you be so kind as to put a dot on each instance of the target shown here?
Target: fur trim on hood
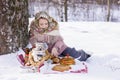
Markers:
(54, 33)
(53, 24)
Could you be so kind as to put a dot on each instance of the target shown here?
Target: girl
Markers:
(45, 29)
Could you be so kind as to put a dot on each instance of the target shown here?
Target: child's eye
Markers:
(46, 23)
(41, 24)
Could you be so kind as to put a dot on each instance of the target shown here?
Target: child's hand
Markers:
(54, 52)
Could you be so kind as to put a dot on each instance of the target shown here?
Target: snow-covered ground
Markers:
(101, 38)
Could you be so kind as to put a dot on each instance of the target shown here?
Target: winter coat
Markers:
(51, 37)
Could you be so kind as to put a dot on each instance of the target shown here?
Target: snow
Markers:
(100, 38)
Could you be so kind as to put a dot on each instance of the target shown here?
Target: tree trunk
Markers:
(65, 9)
(13, 25)
(108, 15)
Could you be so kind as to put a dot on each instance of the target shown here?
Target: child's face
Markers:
(43, 23)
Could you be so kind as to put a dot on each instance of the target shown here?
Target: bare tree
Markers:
(65, 10)
(108, 15)
(79, 10)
